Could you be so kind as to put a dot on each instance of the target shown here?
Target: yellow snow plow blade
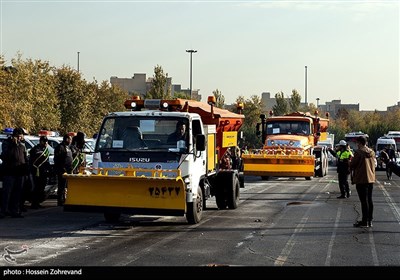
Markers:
(126, 189)
(278, 165)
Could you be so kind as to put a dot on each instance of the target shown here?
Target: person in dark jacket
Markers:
(178, 134)
(343, 156)
(62, 164)
(40, 168)
(15, 165)
(363, 168)
(78, 157)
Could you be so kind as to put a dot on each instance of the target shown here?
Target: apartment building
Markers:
(139, 85)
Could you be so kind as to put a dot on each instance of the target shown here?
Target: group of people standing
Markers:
(361, 167)
(19, 168)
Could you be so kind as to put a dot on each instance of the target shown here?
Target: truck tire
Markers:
(195, 209)
(112, 217)
(233, 193)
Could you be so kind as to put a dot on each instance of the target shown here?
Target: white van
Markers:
(381, 143)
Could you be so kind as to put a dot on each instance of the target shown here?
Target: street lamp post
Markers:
(306, 85)
(191, 52)
(78, 62)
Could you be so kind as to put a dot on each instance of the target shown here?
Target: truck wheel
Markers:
(265, 178)
(308, 178)
(112, 217)
(233, 194)
(195, 208)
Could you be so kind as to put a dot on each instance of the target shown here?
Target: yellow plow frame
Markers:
(278, 165)
(127, 189)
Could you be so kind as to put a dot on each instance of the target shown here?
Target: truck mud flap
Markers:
(278, 166)
(126, 194)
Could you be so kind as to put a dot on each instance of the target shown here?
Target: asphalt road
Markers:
(278, 223)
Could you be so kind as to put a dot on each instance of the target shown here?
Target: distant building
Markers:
(139, 85)
(135, 85)
(394, 107)
(267, 101)
(333, 107)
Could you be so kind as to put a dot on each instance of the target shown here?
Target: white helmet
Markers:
(342, 143)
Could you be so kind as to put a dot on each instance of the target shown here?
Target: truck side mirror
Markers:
(200, 142)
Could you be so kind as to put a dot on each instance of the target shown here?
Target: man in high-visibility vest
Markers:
(343, 157)
(40, 168)
(78, 157)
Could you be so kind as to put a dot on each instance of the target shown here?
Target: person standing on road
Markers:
(78, 157)
(15, 166)
(363, 168)
(343, 157)
(40, 168)
(62, 164)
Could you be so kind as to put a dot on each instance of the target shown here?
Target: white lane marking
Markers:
(333, 236)
(280, 261)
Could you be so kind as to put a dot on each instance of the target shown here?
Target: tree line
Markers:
(36, 95)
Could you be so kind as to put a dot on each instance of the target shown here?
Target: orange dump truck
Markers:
(290, 147)
(137, 169)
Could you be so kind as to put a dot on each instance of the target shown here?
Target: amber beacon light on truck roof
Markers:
(135, 103)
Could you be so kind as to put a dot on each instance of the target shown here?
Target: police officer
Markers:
(40, 168)
(15, 164)
(63, 164)
(343, 156)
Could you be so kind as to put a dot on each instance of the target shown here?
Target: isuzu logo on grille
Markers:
(139, 160)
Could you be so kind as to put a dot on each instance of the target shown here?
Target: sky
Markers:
(244, 48)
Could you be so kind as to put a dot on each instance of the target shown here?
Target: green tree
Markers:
(7, 110)
(74, 100)
(339, 128)
(20, 93)
(282, 106)
(219, 99)
(294, 101)
(45, 112)
(182, 95)
(342, 113)
(159, 89)
(106, 98)
(252, 112)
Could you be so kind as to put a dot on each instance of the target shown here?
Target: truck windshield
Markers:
(143, 133)
(285, 127)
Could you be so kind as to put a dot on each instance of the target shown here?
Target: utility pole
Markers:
(78, 62)
(306, 86)
(191, 52)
